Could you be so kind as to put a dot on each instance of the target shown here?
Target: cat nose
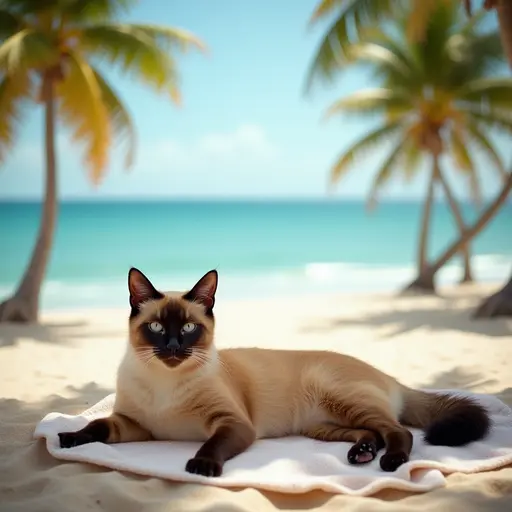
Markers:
(173, 344)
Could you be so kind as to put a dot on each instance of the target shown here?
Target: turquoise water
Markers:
(259, 248)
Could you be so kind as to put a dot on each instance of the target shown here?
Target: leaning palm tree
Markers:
(49, 50)
(500, 302)
(435, 99)
(352, 17)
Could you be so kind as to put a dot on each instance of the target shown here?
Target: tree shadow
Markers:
(458, 378)
(62, 332)
(78, 400)
(448, 314)
(27, 470)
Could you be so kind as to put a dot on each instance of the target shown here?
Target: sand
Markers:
(68, 363)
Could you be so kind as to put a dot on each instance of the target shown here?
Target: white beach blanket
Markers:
(293, 464)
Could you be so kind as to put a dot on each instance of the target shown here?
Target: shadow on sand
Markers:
(453, 314)
(59, 333)
(458, 378)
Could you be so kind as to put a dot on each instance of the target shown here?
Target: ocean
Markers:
(260, 248)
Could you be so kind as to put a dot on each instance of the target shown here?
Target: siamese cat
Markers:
(174, 385)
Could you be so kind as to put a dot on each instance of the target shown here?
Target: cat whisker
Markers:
(146, 354)
(150, 359)
(145, 349)
(208, 357)
(201, 359)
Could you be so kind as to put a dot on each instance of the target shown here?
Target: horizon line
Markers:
(230, 199)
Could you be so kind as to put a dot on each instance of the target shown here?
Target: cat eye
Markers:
(156, 327)
(188, 327)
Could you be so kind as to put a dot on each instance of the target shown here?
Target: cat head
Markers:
(175, 329)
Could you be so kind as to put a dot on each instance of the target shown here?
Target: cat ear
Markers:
(141, 289)
(204, 290)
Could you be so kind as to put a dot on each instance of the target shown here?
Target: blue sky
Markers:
(245, 128)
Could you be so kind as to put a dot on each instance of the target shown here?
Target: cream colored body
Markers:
(277, 391)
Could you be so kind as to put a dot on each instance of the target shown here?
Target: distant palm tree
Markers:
(48, 53)
(436, 99)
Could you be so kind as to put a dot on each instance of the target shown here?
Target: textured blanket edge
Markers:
(416, 476)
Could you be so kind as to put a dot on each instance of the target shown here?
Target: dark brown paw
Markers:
(71, 439)
(392, 461)
(205, 467)
(362, 452)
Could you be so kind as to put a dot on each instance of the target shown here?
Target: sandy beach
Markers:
(69, 362)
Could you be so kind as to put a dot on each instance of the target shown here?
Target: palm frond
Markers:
(418, 19)
(83, 110)
(493, 119)
(27, 49)
(489, 92)
(94, 10)
(486, 146)
(432, 49)
(363, 148)
(120, 119)
(384, 173)
(459, 151)
(15, 90)
(70, 10)
(473, 22)
(170, 38)
(29, 7)
(373, 101)
(472, 56)
(137, 51)
(463, 160)
(352, 17)
(378, 55)
(9, 23)
(412, 155)
(402, 51)
(326, 7)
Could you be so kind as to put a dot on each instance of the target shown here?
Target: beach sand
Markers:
(69, 362)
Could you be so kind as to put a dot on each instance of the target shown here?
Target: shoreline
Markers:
(313, 279)
(482, 288)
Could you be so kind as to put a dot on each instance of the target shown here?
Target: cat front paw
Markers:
(204, 466)
(72, 439)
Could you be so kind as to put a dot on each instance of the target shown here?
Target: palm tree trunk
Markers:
(454, 207)
(504, 10)
(23, 306)
(424, 281)
(498, 304)
(475, 229)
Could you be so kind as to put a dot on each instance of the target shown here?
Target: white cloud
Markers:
(233, 162)
(245, 145)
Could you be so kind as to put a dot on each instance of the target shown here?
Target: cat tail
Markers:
(447, 420)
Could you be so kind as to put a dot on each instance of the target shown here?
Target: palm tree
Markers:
(48, 54)
(435, 98)
(500, 302)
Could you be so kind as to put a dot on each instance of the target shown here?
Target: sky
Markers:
(245, 129)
